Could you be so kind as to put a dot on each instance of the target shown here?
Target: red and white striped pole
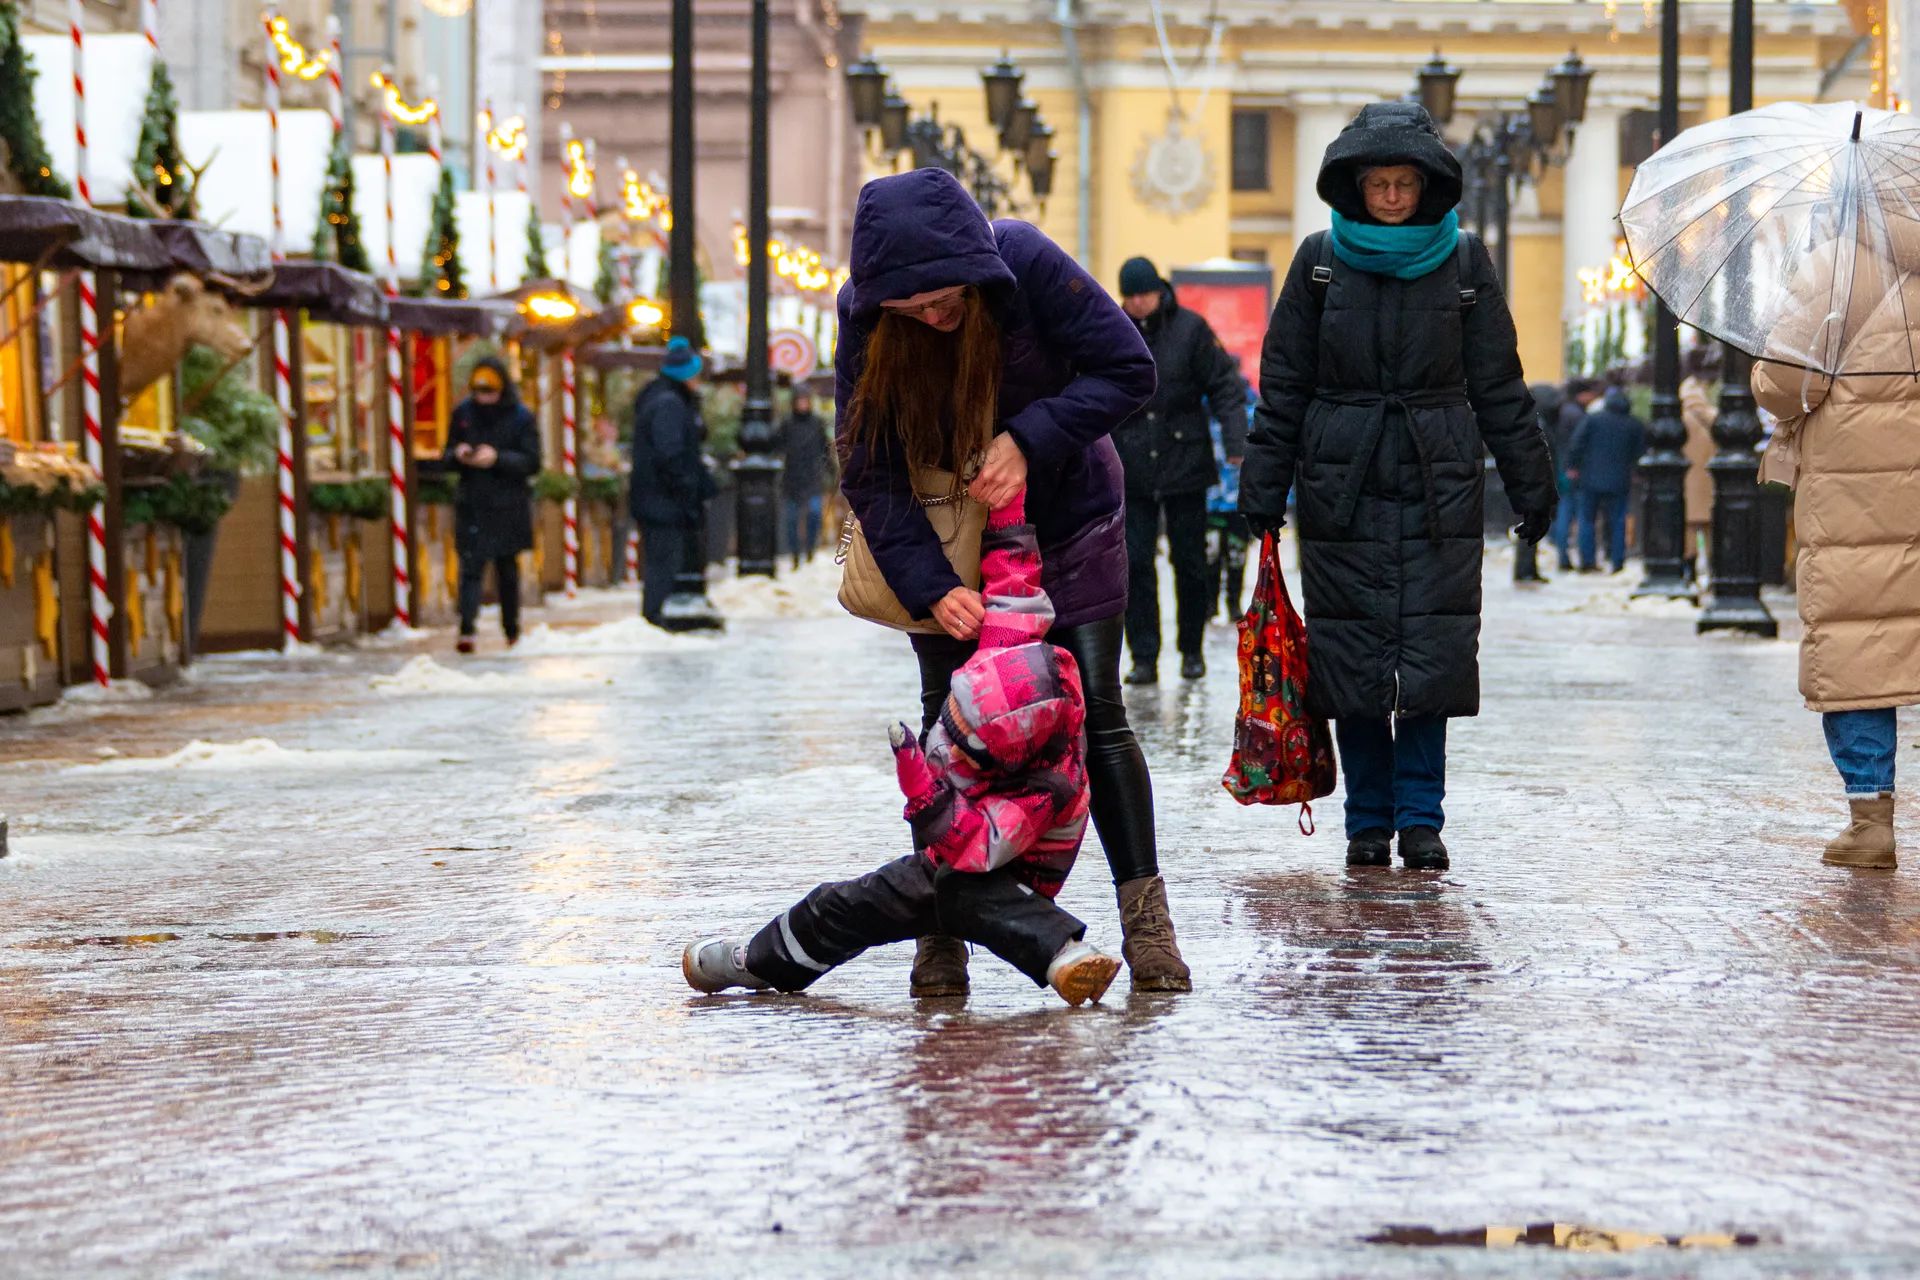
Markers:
(493, 210)
(397, 445)
(150, 24)
(336, 95)
(569, 426)
(282, 367)
(99, 601)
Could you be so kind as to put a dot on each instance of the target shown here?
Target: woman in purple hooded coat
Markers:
(965, 342)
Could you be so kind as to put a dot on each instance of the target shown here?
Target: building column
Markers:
(1317, 121)
(1587, 227)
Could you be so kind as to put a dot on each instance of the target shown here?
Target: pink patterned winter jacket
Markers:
(1003, 777)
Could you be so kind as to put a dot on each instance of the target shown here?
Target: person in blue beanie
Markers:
(670, 484)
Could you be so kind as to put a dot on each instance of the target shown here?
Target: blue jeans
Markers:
(803, 525)
(1563, 526)
(1863, 745)
(1614, 507)
(1396, 772)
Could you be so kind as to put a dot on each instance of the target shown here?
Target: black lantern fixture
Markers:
(1040, 174)
(1018, 130)
(1002, 81)
(1039, 145)
(867, 86)
(1571, 80)
(1544, 119)
(893, 122)
(1438, 81)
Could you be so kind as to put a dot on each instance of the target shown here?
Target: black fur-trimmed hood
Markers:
(1387, 133)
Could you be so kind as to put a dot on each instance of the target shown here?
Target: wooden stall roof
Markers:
(326, 290)
(478, 317)
(211, 253)
(33, 228)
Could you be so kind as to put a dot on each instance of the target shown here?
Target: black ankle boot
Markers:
(1370, 849)
(1143, 673)
(1421, 849)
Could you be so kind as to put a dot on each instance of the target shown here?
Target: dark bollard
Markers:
(1734, 602)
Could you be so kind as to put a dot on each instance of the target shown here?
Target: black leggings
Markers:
(1116, 767)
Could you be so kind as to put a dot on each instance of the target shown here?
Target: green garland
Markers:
(436, 490)
(188, 503)
(364, 499)
(30, 500)
(25, 149)
(605, 489)
(555, 486)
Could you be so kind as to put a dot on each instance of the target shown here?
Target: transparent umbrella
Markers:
(1791, 232)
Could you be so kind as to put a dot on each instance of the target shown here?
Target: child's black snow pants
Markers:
(906, 899)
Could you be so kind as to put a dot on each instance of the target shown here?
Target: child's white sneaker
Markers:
(1081, 973)
(715, 964)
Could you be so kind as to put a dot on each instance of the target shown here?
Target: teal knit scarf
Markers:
(1407, 252)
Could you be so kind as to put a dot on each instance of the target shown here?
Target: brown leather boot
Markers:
(1868, 840)
(1147, 941)
(939, 967)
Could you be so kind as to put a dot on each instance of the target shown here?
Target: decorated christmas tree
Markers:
(336, 237)
(536, 266)
(606, 282)
(22, 151)
(162, 186)
(440, 260)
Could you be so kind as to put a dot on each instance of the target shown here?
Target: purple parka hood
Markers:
(1073, 368)
(919, 231)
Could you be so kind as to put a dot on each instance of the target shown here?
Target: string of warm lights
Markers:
(1612, 283)
(398, 107)
(550, 307)
(797, 264)
(508, 138)
(579, 169)
(294, 58)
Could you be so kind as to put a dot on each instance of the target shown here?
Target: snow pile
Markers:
(1620, 601)
(424, 675)
(260, 754)
(810, 592)
(628, 635)
(396, 636)
(120, 691)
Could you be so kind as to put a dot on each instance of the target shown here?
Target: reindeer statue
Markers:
(184, 313)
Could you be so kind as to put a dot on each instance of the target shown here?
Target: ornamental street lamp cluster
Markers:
(1508, 148)
(1020, 133)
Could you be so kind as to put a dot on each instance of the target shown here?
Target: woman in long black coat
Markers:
(494, 445)
(1390, 366)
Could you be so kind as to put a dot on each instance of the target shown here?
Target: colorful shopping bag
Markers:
(1282, 754)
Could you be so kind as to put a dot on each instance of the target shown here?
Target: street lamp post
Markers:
(1733, 602)
(757, 473)
(687, 609)
(1664, 521)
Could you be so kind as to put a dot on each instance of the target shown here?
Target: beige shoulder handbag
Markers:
(960, 523)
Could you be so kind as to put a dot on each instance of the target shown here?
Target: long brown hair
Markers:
(933, 395)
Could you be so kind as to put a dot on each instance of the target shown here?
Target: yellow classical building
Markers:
(1192, 130)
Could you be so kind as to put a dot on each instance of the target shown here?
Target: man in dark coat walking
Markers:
(1601, 461)
(1580, 397)
(803, 443)
(1390, 365)
(1166, 450)
(494, 448)
(670, 480)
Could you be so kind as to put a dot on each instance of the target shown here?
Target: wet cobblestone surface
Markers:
(396, 992)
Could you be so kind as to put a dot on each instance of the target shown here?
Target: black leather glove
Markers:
(1264, 524)
(1533, 526)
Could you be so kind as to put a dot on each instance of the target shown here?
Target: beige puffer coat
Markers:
(1857, 511)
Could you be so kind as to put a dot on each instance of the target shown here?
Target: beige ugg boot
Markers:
(1868, 840)
(1147, 941)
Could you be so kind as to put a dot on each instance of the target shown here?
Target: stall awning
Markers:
(209, 252)
(325, 290)
(480, 318)
(70, 235)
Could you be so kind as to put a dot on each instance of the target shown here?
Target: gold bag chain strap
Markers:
(850, 526)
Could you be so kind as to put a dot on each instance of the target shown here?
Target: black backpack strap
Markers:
(1322, 274)
(1463, 269)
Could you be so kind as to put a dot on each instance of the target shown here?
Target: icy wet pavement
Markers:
(387, 983)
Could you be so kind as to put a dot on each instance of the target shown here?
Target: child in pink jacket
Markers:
(997, 800)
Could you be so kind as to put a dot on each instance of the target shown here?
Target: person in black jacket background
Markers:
(1166, 449)
(803, 482)
(1390, 363)
(1601, 463)
(494, 447)
(670, 484)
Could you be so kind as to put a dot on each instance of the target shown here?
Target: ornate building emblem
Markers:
(1173, 172)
